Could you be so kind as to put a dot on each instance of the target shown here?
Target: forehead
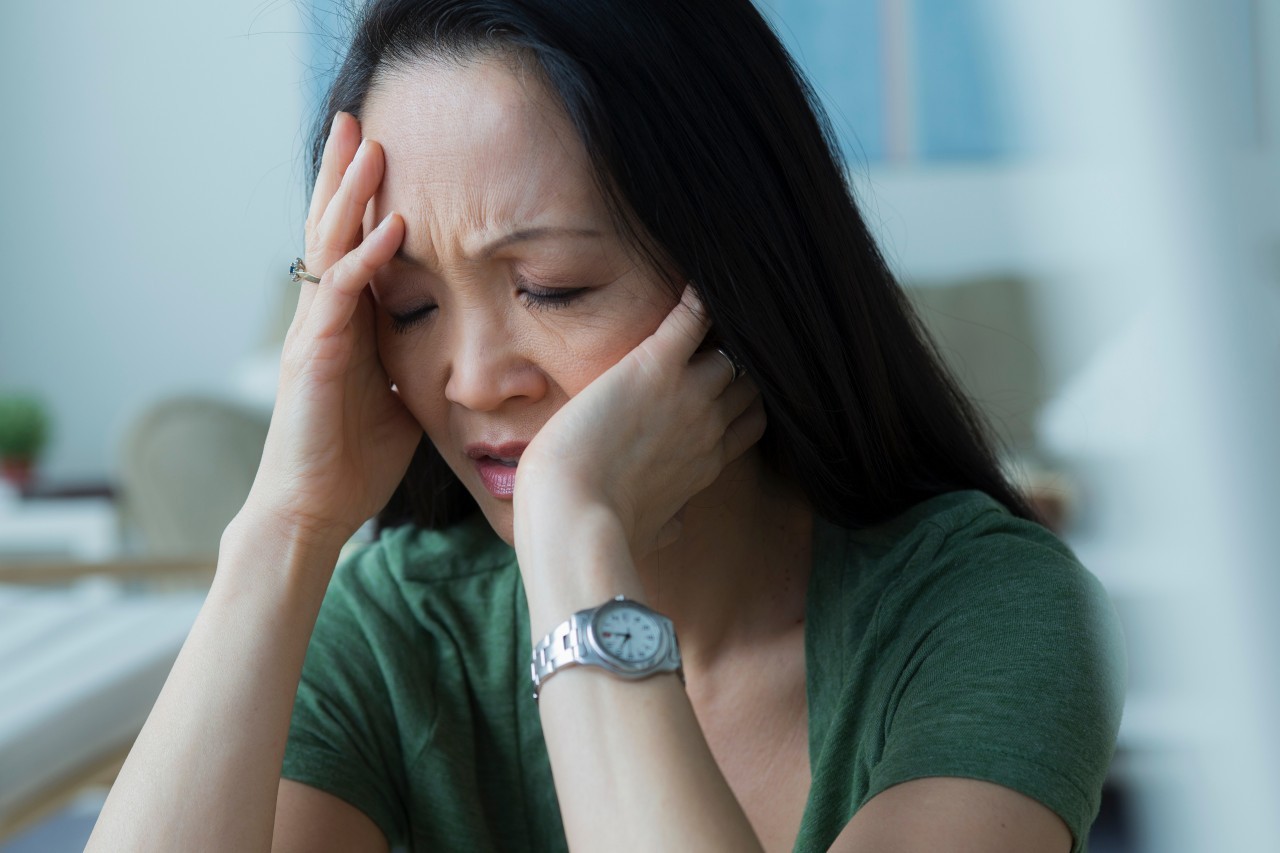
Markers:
(479, 142)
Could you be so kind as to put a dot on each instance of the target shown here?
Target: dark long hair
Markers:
(717, 161)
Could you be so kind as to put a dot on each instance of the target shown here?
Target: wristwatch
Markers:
(621, 635)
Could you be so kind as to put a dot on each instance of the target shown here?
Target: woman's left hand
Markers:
(644, 437)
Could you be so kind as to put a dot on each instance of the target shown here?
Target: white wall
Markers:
(149, 204)
(1159, 224)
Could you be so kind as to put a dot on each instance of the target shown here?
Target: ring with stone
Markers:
(733, 364)
(298, 272)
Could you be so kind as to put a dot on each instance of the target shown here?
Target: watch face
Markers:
(628, 633)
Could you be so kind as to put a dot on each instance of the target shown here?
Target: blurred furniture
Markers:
(87, 638)
(985, 333)
(84, 651)
(186, 467)
(80, 529)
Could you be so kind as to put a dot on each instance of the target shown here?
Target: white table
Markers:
(80, 669)
(75, 528)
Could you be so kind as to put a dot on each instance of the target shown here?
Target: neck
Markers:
(736, 577)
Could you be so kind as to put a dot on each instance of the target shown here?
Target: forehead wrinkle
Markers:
(474, 151)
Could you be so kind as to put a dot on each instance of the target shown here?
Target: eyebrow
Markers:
(520, 235)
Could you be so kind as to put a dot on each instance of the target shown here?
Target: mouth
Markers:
(496, 466)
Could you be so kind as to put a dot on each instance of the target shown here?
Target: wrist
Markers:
(571, 561)
(256, 520)
(261, 555)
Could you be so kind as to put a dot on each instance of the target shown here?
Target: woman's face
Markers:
(512, 288)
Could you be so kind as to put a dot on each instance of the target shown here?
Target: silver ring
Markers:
(298, 272)
(733, 365)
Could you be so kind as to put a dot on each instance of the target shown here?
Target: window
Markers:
(903, 80)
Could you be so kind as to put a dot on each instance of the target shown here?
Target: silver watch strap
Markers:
(557, 649)
(567, 645)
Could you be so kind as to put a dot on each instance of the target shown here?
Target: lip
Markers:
(498, 477)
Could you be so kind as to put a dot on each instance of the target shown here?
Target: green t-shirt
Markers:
(953, 640)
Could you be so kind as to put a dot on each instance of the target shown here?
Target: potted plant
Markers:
(24, 430)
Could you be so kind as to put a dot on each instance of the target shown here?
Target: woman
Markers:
(603, 256)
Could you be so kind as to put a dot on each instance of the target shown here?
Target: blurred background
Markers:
(1081, 198)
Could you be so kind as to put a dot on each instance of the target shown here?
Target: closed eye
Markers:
(539, 296)
(401, 323)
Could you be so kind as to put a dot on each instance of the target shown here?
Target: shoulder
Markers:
(946, 522)
(960, 551)
(973, 644)
(960, 577)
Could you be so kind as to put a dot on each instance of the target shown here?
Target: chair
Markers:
(187, 464)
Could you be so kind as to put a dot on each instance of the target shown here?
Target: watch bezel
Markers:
(620, 665)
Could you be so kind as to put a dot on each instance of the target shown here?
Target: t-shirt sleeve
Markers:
(343, 737)
(1014, 675)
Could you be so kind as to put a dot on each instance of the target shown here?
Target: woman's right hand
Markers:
(340, 438)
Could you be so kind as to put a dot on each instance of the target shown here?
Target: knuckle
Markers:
(350, 271)
(365, 257)
(342, 269)
(323, 245)
(295, 352)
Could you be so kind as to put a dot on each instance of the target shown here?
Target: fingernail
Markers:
(333, 124)
(385, 223)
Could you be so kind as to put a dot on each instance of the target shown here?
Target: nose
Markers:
(488, 367)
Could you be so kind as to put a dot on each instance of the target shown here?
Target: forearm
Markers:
(630, 761)
(205, 770)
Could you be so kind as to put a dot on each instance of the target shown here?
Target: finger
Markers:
(370, 220)
(744, 431)
(343, 221)
(684, 328)
(339, 149)
(735, 400)
(340, 227)
(340, 287)
(715, 370)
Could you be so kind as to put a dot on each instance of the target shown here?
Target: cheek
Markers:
(397, 354)
(579, 366)
(594, 342)
(408, 361)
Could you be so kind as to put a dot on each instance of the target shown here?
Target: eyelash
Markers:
(541, 298)
(548, 297)
(402, 324)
